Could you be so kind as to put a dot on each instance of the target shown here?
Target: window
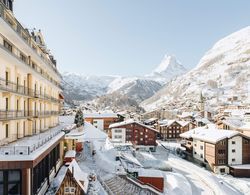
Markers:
(23, 57)
(223, 142)
(221, 161)
(195, 153)
(6, 78)
(233, 159)
(233, 142)
(7, 45)
(141, 139)
(221, 151)
(201, 147)
(118, 136)
(10, 182)
(233, 150)
(141, 133)
(7, 130)
(201, 155)
(118, 130)
(7, 104)
(222, 170)
(246, 141)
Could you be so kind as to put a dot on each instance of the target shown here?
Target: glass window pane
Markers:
(14, 176)
(1, 177)
(14, 189)
(1, 188)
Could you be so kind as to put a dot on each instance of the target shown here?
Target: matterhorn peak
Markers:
(169, 61)
(169, 68)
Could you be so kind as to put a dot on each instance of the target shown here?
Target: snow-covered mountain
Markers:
(138, 88)
(224, 71)
(84, 88)
(167, 69)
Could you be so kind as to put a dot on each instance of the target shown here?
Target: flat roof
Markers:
(100, 115)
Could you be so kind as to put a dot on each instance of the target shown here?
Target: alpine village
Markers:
(173, 131)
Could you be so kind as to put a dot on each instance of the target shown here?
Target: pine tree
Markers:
(79, 121)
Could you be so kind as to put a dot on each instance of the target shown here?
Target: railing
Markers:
(19, 89)
(16, 114)
(23, 33)
(40, 140)
(35, 68)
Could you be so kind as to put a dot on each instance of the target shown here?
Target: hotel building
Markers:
(31, 141)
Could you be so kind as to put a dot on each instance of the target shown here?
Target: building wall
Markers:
(139, 135)
(210, 154)
(235, 150)
(172, 131)
(199, 150)
(103, 123)
(245, 150)
(119, 133)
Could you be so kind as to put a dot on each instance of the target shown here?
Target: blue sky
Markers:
(130, 37)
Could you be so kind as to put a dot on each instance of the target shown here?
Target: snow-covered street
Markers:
(202, 181)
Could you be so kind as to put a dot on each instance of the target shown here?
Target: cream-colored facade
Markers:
(29, 82)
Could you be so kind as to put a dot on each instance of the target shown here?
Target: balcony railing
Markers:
(26, 148)
(24, 34)
(26, 62)
(18, 114)
(19, 89)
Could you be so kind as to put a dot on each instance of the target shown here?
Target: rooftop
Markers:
(100, 115)
(211, 135)
(29, 148)
(130, 121)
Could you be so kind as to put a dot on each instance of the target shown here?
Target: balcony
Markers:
(19, 114)
(12, 114)
(12, 87)
(8, 17)
(29, 145)
(26, 62)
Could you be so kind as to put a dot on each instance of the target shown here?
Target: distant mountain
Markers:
(168, 69)
(224, 71)
(135, 89)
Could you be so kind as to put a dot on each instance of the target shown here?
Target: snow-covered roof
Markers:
(243, 166)
(70, 153)
(186, 114)
(150, 173)
(150, 120)
(233, 122)
(211, 135)
(130, 121)
(170, 122)
(100, 115)
(90, 132)
(131, 158)
(245, 127)
(74, 134)
(79, 175)
(203, 120)
(30, 148)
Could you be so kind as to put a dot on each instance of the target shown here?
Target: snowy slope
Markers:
(222, 72)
